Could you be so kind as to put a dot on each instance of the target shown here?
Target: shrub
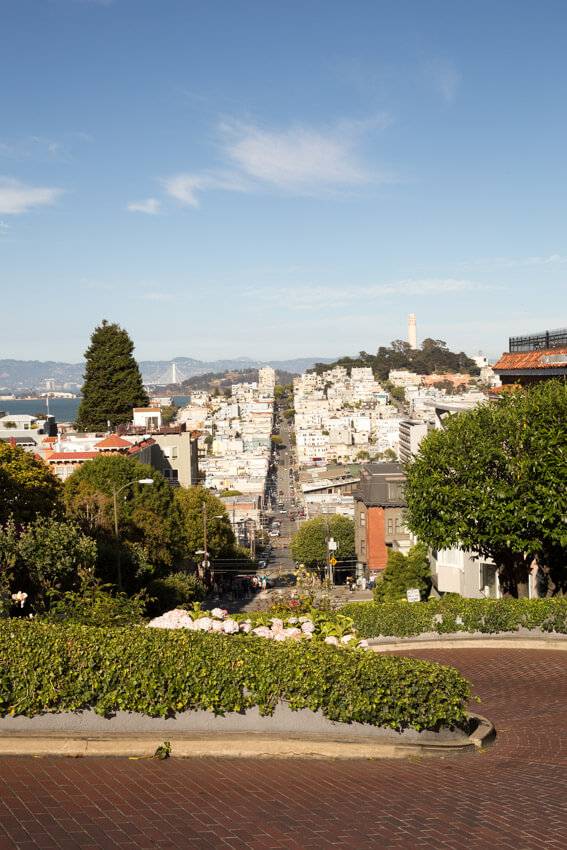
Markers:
(157, 672)
(177, 590)
(95, 604)
(402, 573)
(445, 616)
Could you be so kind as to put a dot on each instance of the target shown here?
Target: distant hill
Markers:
(21, 375)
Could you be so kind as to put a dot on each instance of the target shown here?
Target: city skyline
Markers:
(272, 182)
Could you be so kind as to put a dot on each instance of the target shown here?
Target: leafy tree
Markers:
(113, 384)
(28, 488)
(148, 516)
(279, 391)
(276, 440)
(309, 546)
(289, 414)
(220, 537)
(45, 554)
(168, 413)
(494, 482)
(404, 572)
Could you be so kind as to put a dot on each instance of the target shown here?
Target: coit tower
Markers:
(412, 331)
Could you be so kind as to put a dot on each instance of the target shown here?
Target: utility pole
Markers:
(206, 554)
(327, 540)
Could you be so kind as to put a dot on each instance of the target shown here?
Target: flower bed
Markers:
(161, 672)
(337, 631)
(446, 616)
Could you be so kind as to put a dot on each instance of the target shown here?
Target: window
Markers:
(362, 519)
(170, 474)
(363, 547)
(170, 452)
(390, 526)
(395, 491)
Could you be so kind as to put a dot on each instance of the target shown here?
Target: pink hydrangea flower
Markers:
(230, 627)
(220, 613)
(308, 626)
(216, 626)
(347, 638)
(332, 640)
(262, 631)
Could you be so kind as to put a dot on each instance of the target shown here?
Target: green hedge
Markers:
(445, 616)
(53, 668)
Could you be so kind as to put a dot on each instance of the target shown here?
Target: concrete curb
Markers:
(254, 745)
(464, 640)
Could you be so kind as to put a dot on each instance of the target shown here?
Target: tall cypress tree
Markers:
(113, 383)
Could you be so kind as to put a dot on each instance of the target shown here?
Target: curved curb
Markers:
(465, 640)
(254, 745)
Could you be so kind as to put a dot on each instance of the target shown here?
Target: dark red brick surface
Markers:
(512, 796)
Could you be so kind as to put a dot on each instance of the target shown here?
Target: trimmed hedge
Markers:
(445, 616)
(54, 668)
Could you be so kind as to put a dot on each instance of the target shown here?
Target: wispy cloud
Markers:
(151, 206)
(300, 160)
(509, 263)
(309, 297)
(445, 77)
(16, 197)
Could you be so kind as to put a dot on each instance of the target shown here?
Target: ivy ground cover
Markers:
(46, 667)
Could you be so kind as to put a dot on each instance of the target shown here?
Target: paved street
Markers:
(512, 796)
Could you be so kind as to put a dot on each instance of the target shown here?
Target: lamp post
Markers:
(205, 551)
(115, 493)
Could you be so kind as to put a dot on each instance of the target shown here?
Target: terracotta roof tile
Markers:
(71, 456)
(529, 360)
(113, 442)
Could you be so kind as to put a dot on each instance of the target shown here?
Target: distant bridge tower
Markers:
(173, 373)
(412, 331)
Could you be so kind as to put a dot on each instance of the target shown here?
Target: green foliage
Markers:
(402, 573)
(44, 554)
(168, 413)
(176, 590)
(95, 604)
(308, 545)
(27, 485)
(148, 515)
(289, 413)
(493, 481)
(220, 537)
(113, 384)
(161, 672)
(279, 392)
(450, 614)
(276, 440)
(432, 356)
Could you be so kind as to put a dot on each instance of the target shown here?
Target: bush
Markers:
(95, 604)
(159, 672)
(446, 616)
(402, 573)
(177, 590)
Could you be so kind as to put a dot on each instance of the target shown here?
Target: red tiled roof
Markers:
(71, 456)
(113, 442)
(142, 445)
(529, 360)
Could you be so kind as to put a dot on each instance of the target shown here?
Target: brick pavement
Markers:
(512, 796)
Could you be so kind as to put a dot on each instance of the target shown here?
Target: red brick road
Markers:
(512, 796)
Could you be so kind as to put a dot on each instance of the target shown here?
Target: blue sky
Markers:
(280, 179)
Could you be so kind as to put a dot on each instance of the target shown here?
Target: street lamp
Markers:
(115, 493)
(205, 563)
